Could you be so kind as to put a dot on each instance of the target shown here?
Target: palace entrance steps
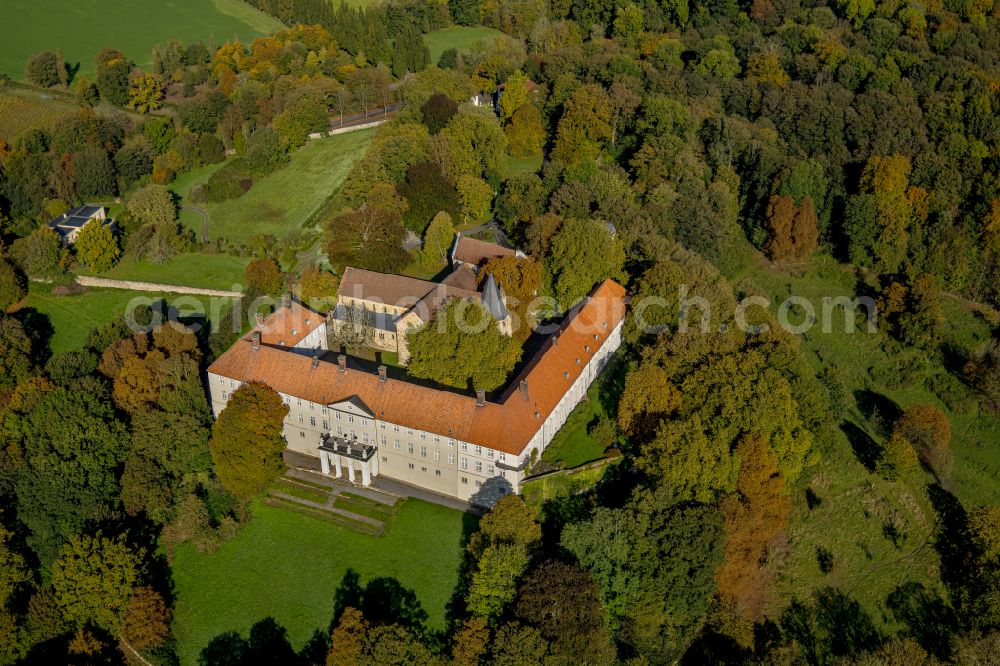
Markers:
(336, 500)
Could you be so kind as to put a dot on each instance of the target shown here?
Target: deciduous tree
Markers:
(370, 237)
(463, 345)
(247, 440)
(438, 241)
(265, 276)
(520, 278)
(13, 285)
(146, 623)
(145, 91)
(93, 579)
(927, 428)
(96, 247)
(583, 253)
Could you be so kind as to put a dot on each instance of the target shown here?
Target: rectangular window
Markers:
(437, 472)
(437, 454)
(423, 435)
(301, 420)
(489, 453)
(298, 401)
(411, 465)
(423, 469)
(437, 440)
(324, 410)
(451, 458)
(409, 447)
(350, 418)
(337, 414)
(364, 422)
(384, 459)
(479, 466)
(479, 450)
(382, 425)
(340, 431)
(423, 451)
(502, 456)
(464, 480)
(451, 442)
(312, 405)
(464, 462)
(489, 470)
(225, 395)
(383, 440)
(326, 425)
(302, 433)
(395, 445)
(312, 421)
(465, 447)
(478, 483)
(395, 428)
(409, 432)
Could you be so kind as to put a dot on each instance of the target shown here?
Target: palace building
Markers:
(361, 423)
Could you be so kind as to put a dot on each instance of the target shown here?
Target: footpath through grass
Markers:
(283, 201)
(72, 318)
(877, 532)
(82, 29)
(288, 566)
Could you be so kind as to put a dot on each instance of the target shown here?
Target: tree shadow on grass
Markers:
(266, 644)
(382, 600)
(877, 407)
(929, 618)
(866, 449)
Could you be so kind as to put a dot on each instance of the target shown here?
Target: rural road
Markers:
(89, 281)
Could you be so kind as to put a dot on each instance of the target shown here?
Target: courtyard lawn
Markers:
(82, 29)
(283, 201)
(208, 271)
(853, 511)
(461, 38)
(288, 566)
(72, 318)
(519, 165)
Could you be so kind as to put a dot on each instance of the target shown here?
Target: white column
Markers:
(336, 462)
(366, 477)
(324, 462)
(350, 470)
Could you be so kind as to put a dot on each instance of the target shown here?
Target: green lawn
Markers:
(82, 29)
(572, 446)
(72, 318)
(519, 165)
(210, 271)
(282, 201)
(459, 37)
(856, 505)
(288, 566)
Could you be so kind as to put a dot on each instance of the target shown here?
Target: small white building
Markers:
(69, 224)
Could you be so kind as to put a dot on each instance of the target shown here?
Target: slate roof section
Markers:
(507, 425)
(493, 300)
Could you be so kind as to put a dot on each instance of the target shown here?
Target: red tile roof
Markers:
(475, 252)
(507, 425)
(288, 325)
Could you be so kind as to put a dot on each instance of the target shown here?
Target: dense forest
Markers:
(714, 137)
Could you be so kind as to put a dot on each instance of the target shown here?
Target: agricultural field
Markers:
(281, 202)
(461, 38)
(288, 566)
(23, 110)
(208, 271)
(81, 30)
(878, 532)
(72, 318)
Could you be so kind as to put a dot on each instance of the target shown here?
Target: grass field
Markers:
(572, 446)
(209, 271)
(72, 318)
(519, 165)
(23, 110)
(459, 37)
(282, 201)
(82, 29)
(855, 506)
(288, 566)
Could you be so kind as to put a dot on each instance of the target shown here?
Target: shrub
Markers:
(227, 183)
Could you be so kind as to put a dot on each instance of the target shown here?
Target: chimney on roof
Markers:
(480, 397)
(381, 373)
(315, 362)
(524, 389)
(260, 319)
(286, 300)
(255, 340)
(342, 362)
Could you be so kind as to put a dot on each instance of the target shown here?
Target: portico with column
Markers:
(337, 452)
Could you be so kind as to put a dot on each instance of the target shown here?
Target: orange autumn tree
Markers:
(754, 516)
(793, 231)
(927, 428)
